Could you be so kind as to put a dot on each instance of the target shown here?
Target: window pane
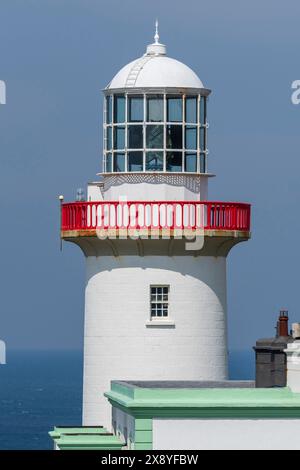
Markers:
(135, 137)
(203, 110)
(119, 137)
(155, 109)
(191, 109)
(174, 137)
(155, 137)
(154, 161)
(191, 138)
(159, 312)
(174, 161)
(135, 161)
(119, 109)
(108, 138)
(135, 109)
(108, 109)
(174, 109)
(202, 138)
(190, 162)
(119, 162)
(108, 162)
(202, 163)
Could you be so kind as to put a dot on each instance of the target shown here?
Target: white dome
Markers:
(155, 69)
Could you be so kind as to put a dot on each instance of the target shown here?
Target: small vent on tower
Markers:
(80, 197)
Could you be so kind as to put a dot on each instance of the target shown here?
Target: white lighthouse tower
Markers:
(155, 299)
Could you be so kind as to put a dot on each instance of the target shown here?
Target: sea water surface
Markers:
(41, 389)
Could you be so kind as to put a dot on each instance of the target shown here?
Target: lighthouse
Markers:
(155, 246)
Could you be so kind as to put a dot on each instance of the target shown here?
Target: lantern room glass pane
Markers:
(135, 161)
(191, 138)
(191, 109)
(155, 137)
(119, 162)
(202, 138)
(174, 161)
(119, 108)
(174, 136)
(154, 161)
(202, 162)
(135, 137)
(119, 137)
(108, 138)
(190, 162)
(109, 162)
(135, 109)
(203, 110)
(174, 109)
(108, 109)
(155, 109)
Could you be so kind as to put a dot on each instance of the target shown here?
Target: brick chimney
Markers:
(283, 323)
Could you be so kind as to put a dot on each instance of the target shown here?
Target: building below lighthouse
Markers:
(155, 339)
(155, 246)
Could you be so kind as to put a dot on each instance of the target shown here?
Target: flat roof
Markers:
(186, 384)
(206, 399)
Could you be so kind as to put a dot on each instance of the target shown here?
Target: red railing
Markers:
(171, 215)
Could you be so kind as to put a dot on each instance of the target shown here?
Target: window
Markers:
(202, 162)
(154, 161)
(190, 162)
(191, 138)
(136, 109)
(174, 137)
(108, 138)
(109, 162)
(174, 109)
(155, 132)
(191, 109)
(135, 161)
(202, 139)
(119, 137)
(159, 301)
(155, 137)
(119, 109)
(174, 161)
(119, 162)
(203, 110)
(108, 109)
(155, 109)
(135, 137)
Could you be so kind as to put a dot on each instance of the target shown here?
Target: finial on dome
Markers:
(156, 48)
(156, 36)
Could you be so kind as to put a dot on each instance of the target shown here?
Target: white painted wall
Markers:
(227, 434)
(119, 346)
(293, 366)
(155, 187)
(124, 426)
(94, 192)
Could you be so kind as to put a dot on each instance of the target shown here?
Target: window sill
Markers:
(159, 323)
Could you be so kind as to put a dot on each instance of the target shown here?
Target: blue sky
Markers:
(56, 56)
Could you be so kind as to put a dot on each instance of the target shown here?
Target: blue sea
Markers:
(41, 389)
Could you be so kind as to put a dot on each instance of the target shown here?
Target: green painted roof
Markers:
(59, 430)
(161, 401)
(85, 438)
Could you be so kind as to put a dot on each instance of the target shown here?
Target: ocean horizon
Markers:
(40, 389)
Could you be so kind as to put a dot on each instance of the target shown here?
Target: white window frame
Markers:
(156, 302)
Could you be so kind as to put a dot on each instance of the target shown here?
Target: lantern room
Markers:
(155, 117)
